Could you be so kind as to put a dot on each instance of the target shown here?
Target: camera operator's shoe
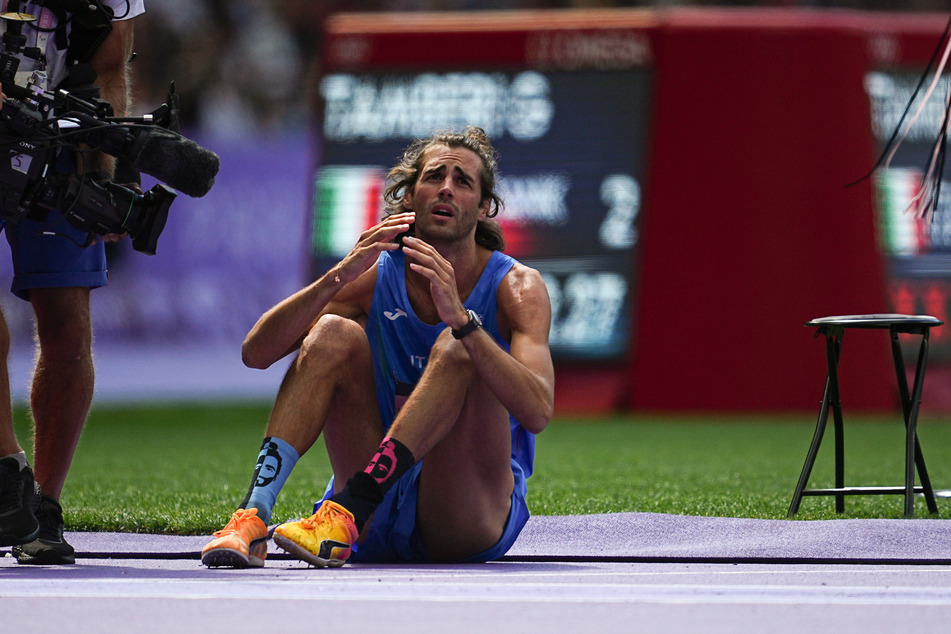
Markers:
(18, 524)
(242, 543)
(49, 548)
(324, 539)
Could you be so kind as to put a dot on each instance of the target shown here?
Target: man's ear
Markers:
(408, 200)
(484, 208)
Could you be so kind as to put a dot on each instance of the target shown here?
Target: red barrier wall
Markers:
(758, 126)
(761, 118)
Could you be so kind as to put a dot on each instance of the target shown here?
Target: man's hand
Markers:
(372, 242)
(442, 280)
(116, 237)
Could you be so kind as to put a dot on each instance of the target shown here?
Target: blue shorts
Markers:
(394, 538)
(53, 261)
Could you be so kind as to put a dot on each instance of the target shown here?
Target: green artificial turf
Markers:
(182, 468)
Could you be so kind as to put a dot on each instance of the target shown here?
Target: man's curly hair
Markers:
(403, 177)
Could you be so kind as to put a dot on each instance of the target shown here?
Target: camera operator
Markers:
(54, 270)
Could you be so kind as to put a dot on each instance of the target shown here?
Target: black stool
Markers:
(834, 329)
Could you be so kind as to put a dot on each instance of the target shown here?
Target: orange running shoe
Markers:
(324, 539)
(242, 543)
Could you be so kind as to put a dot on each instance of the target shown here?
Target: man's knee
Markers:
(332, 342)
(449, 355)
(63, 324)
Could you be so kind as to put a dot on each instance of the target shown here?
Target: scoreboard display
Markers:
(917, 250)
(571, 143)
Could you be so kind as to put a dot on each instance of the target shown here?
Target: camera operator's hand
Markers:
(116, 237)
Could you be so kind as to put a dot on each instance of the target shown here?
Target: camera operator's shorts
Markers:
(393, 536)
(50, 254)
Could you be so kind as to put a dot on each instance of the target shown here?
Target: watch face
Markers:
(474, 324)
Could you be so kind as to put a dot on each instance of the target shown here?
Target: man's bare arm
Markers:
(111, 63)
(344, 290)
(281, 329)
(524, 380)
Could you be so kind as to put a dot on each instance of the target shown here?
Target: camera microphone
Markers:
(178, 162)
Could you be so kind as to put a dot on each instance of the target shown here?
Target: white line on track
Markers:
(498, 591)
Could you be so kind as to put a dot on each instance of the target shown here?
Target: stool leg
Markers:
(918, 389)
(833, 351)
(813, 449)
(830, 395)
(911, 405)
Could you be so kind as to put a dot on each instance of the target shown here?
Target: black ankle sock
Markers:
(361, 496)
(365, 490)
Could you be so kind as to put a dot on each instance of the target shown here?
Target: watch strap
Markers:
(473, 325)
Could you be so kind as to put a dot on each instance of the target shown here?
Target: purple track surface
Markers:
(622, 572)
(645, 536)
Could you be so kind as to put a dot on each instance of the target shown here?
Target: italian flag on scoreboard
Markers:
(348, 200)
(903, 234)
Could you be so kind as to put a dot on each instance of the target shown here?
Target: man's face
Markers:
(269, 468)
(447, 195)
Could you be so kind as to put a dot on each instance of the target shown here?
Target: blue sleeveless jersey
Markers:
(401, 342)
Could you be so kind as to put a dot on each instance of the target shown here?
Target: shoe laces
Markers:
(326, 514)
(238, 519)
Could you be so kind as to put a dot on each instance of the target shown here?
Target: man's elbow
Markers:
(252, 357)
(538, 420)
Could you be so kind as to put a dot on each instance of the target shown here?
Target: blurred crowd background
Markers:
(250, 67)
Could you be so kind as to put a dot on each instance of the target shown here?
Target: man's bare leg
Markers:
(8, 440)
(63, 382)
(453, 420)
(330, 388)
(457, 424)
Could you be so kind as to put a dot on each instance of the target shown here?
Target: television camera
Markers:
(37, 123)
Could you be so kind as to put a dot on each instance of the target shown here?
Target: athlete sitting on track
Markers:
(425, 363)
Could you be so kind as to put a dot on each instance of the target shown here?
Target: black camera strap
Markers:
(88, 31)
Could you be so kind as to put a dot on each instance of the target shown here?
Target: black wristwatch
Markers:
(474, 324)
